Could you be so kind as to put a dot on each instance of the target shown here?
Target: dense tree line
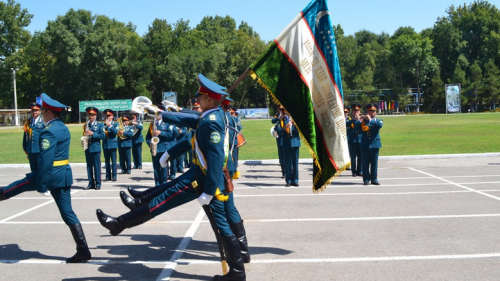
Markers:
(81, 56)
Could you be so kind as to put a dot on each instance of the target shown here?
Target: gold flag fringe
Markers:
(311, 151)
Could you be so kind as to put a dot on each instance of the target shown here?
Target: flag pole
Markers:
(239, 80)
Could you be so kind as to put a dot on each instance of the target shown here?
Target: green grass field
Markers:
(401, 135)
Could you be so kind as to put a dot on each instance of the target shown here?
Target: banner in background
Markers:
(115, 105)
(453, 101)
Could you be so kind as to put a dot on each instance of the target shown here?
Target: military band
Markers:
(32, 129)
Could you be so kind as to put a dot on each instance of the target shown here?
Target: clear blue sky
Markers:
(267, 17)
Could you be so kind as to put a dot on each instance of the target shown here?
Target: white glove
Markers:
(46, 193)
(164, 159)
(205, 199)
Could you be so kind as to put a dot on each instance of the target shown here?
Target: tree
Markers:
(414, 54)
(13, 23)
(491, 83)
(13, 37)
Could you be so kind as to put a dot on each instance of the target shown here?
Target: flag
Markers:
(396, 105)
(385, 105)
(301, 71)
(392, 106)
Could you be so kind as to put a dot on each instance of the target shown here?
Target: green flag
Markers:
(300, 70)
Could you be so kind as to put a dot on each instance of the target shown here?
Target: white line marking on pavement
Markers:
(301, 219)
(172, 263)
(459, 185)
(377, 218)
(268, 261)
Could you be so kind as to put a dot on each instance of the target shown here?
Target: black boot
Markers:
(134, 193)
(147, 196)
(82, 250)
(137, 194)
(130, 202)
(2, 195)
(234, 260)
(239, 230)
(128, 220)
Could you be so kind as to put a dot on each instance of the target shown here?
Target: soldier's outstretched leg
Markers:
(128, 220)
(82, 249)
(234, 260)
(239, 230)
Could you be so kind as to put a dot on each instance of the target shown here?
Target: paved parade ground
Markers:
(432, 218)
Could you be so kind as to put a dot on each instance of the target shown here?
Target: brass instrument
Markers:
(85, 138)
(139, 105)
(121, 129)
(283, 122)
(154, 140)
(27, 129)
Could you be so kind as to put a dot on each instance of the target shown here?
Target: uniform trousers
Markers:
(180, 191)
(356, 159)
(62, 196)
(33, 158)
(369, 157)
(137, 154)
(110, 162)
(159, 172)
(93, 167)
(125, 161)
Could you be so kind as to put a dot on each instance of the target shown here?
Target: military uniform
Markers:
(370, 145)
(279, 141)
(110, 145)
(168, 133)
(54, 174)
(137, 140)
(211, 147)
(93, 151)
(353, 126)
(125, 146)
(291, 145)
(180, 159)
(32, 129)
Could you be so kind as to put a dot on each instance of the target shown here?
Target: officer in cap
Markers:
(32, 129)
(354, 139)
(125, 145)
(196, 106)
(54, 174)
(110, 144)
(370, 144)
(279, 140)
(291, 143)
(206, 175)
(93, 131)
